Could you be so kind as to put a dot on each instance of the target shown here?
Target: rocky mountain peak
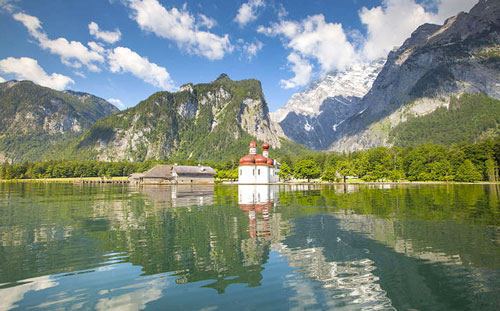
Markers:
(434, 64)
(311, 117)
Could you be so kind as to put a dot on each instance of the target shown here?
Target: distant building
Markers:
(181, 174)
(258, 169)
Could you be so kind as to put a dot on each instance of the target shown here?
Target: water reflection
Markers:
(257, 201)
(252, 246)
(178, 195)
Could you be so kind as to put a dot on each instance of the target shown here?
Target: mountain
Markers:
(34, 118)
(209, 121)
(434, 66)
(311, 117)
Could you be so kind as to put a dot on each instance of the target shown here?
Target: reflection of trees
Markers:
(356, 268)
(72, 228)
(408, 231)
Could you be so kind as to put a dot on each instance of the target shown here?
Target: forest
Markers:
(426, 162)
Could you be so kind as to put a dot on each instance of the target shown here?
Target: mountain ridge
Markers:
(214, 120)
(33, 118)
(433, 65)
(311, 116)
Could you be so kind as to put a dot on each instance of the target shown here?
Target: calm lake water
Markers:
(121, 247)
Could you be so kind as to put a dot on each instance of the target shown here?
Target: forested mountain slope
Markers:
(433, 66)
(34, 118)
(209, 121)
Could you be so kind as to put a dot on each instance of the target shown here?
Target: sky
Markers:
(126, 50)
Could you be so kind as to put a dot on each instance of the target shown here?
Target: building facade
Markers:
(258, 169)
(178, 174)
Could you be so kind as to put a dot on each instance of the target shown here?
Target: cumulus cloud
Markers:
(251, 49)
(122, 59)
(72, 53)
(248, 12)
(179, 26)
(391, 23)
(315, 41)
(118, 103)
(106, 36)
(207, 22)
(312, 39)
(302, 69)
(26, 68)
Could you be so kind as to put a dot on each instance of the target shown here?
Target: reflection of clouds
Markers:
(11, 295)
(135, 300)
(349, 282)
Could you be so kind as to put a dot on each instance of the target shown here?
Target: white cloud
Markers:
(181, 27)
(207, 22)
(8, 5)
(390, 24)
(26, 68)
(248, 12)
(251, 49)
(118, 103)
(313, 39)
(302, 69)
(72, 53)
(106, 36)
(80, 74)
(2, 80)
(122, 59)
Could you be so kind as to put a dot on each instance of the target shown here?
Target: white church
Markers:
(258, 169)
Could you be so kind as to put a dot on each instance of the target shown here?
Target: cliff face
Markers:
(311, 117)
(33, 118)
(435, 63)
(204, 121)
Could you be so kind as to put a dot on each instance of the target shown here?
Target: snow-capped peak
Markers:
(353, 82)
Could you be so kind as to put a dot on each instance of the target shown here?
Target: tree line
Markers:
(426, 162)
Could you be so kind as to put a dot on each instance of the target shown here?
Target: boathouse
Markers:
(182, 174)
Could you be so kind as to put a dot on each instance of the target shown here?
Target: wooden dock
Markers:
(102, 181)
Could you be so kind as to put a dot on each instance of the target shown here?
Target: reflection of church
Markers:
(257, 201)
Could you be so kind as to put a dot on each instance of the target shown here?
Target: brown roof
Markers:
(184, 169)
(136, 175)
(159, 171)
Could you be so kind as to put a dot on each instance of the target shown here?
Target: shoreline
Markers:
(124, 180)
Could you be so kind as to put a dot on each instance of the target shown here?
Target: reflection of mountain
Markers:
(357, 269)
(306, 247)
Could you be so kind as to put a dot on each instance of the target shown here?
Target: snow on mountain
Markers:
(310, 117)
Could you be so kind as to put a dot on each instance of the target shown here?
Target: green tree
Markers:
(467, 172)
(285, 172)
(491, 170)
(345, 168)
(306, 169)
(330, 174)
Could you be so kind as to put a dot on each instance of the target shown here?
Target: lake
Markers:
(287, 247)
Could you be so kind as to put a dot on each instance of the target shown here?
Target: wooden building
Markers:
(181, 174)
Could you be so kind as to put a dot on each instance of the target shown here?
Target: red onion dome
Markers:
(260, 159)
(265, 146)
(253, 145)
(248, 159)
(270, 162)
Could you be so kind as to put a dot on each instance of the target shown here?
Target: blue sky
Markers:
(125, 50)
